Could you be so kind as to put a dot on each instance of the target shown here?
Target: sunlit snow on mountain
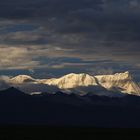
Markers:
(80, 84)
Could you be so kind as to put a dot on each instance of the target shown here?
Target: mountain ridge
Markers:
(119, 82)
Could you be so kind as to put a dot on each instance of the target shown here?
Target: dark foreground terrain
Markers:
(68, 110)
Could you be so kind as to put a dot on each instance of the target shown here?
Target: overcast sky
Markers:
(47, 38)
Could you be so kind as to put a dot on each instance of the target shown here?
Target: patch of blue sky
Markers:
(47, 60)
(19, 28)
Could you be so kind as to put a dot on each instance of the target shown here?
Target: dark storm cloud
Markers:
(107, 20)
(74, 32)
(40, 8)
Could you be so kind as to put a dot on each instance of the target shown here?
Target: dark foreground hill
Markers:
(61, 109)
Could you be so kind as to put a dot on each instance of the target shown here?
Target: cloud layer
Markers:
(87, 34)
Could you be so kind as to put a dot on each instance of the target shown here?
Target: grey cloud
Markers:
(85, 30)
(33, 88)
(40, 8)
(4, 82)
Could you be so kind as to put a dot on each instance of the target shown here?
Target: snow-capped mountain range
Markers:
(119, 82)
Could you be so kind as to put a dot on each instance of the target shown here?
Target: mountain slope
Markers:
(72, 80)
(21, 79)
(83, 83)
(68, 110)
(120, 81)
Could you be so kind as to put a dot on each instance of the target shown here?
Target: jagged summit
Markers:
(125, 75)
(72, 80)
(12, 91)
(117, 76)
(120, 82)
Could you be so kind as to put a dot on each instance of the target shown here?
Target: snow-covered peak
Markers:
(21, 79)
(72, 80)
(116, 77)
(123, 76)
(122, 82)
(119, 81)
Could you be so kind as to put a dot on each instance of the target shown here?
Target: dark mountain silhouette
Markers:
(61, 109)
(12, 92)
